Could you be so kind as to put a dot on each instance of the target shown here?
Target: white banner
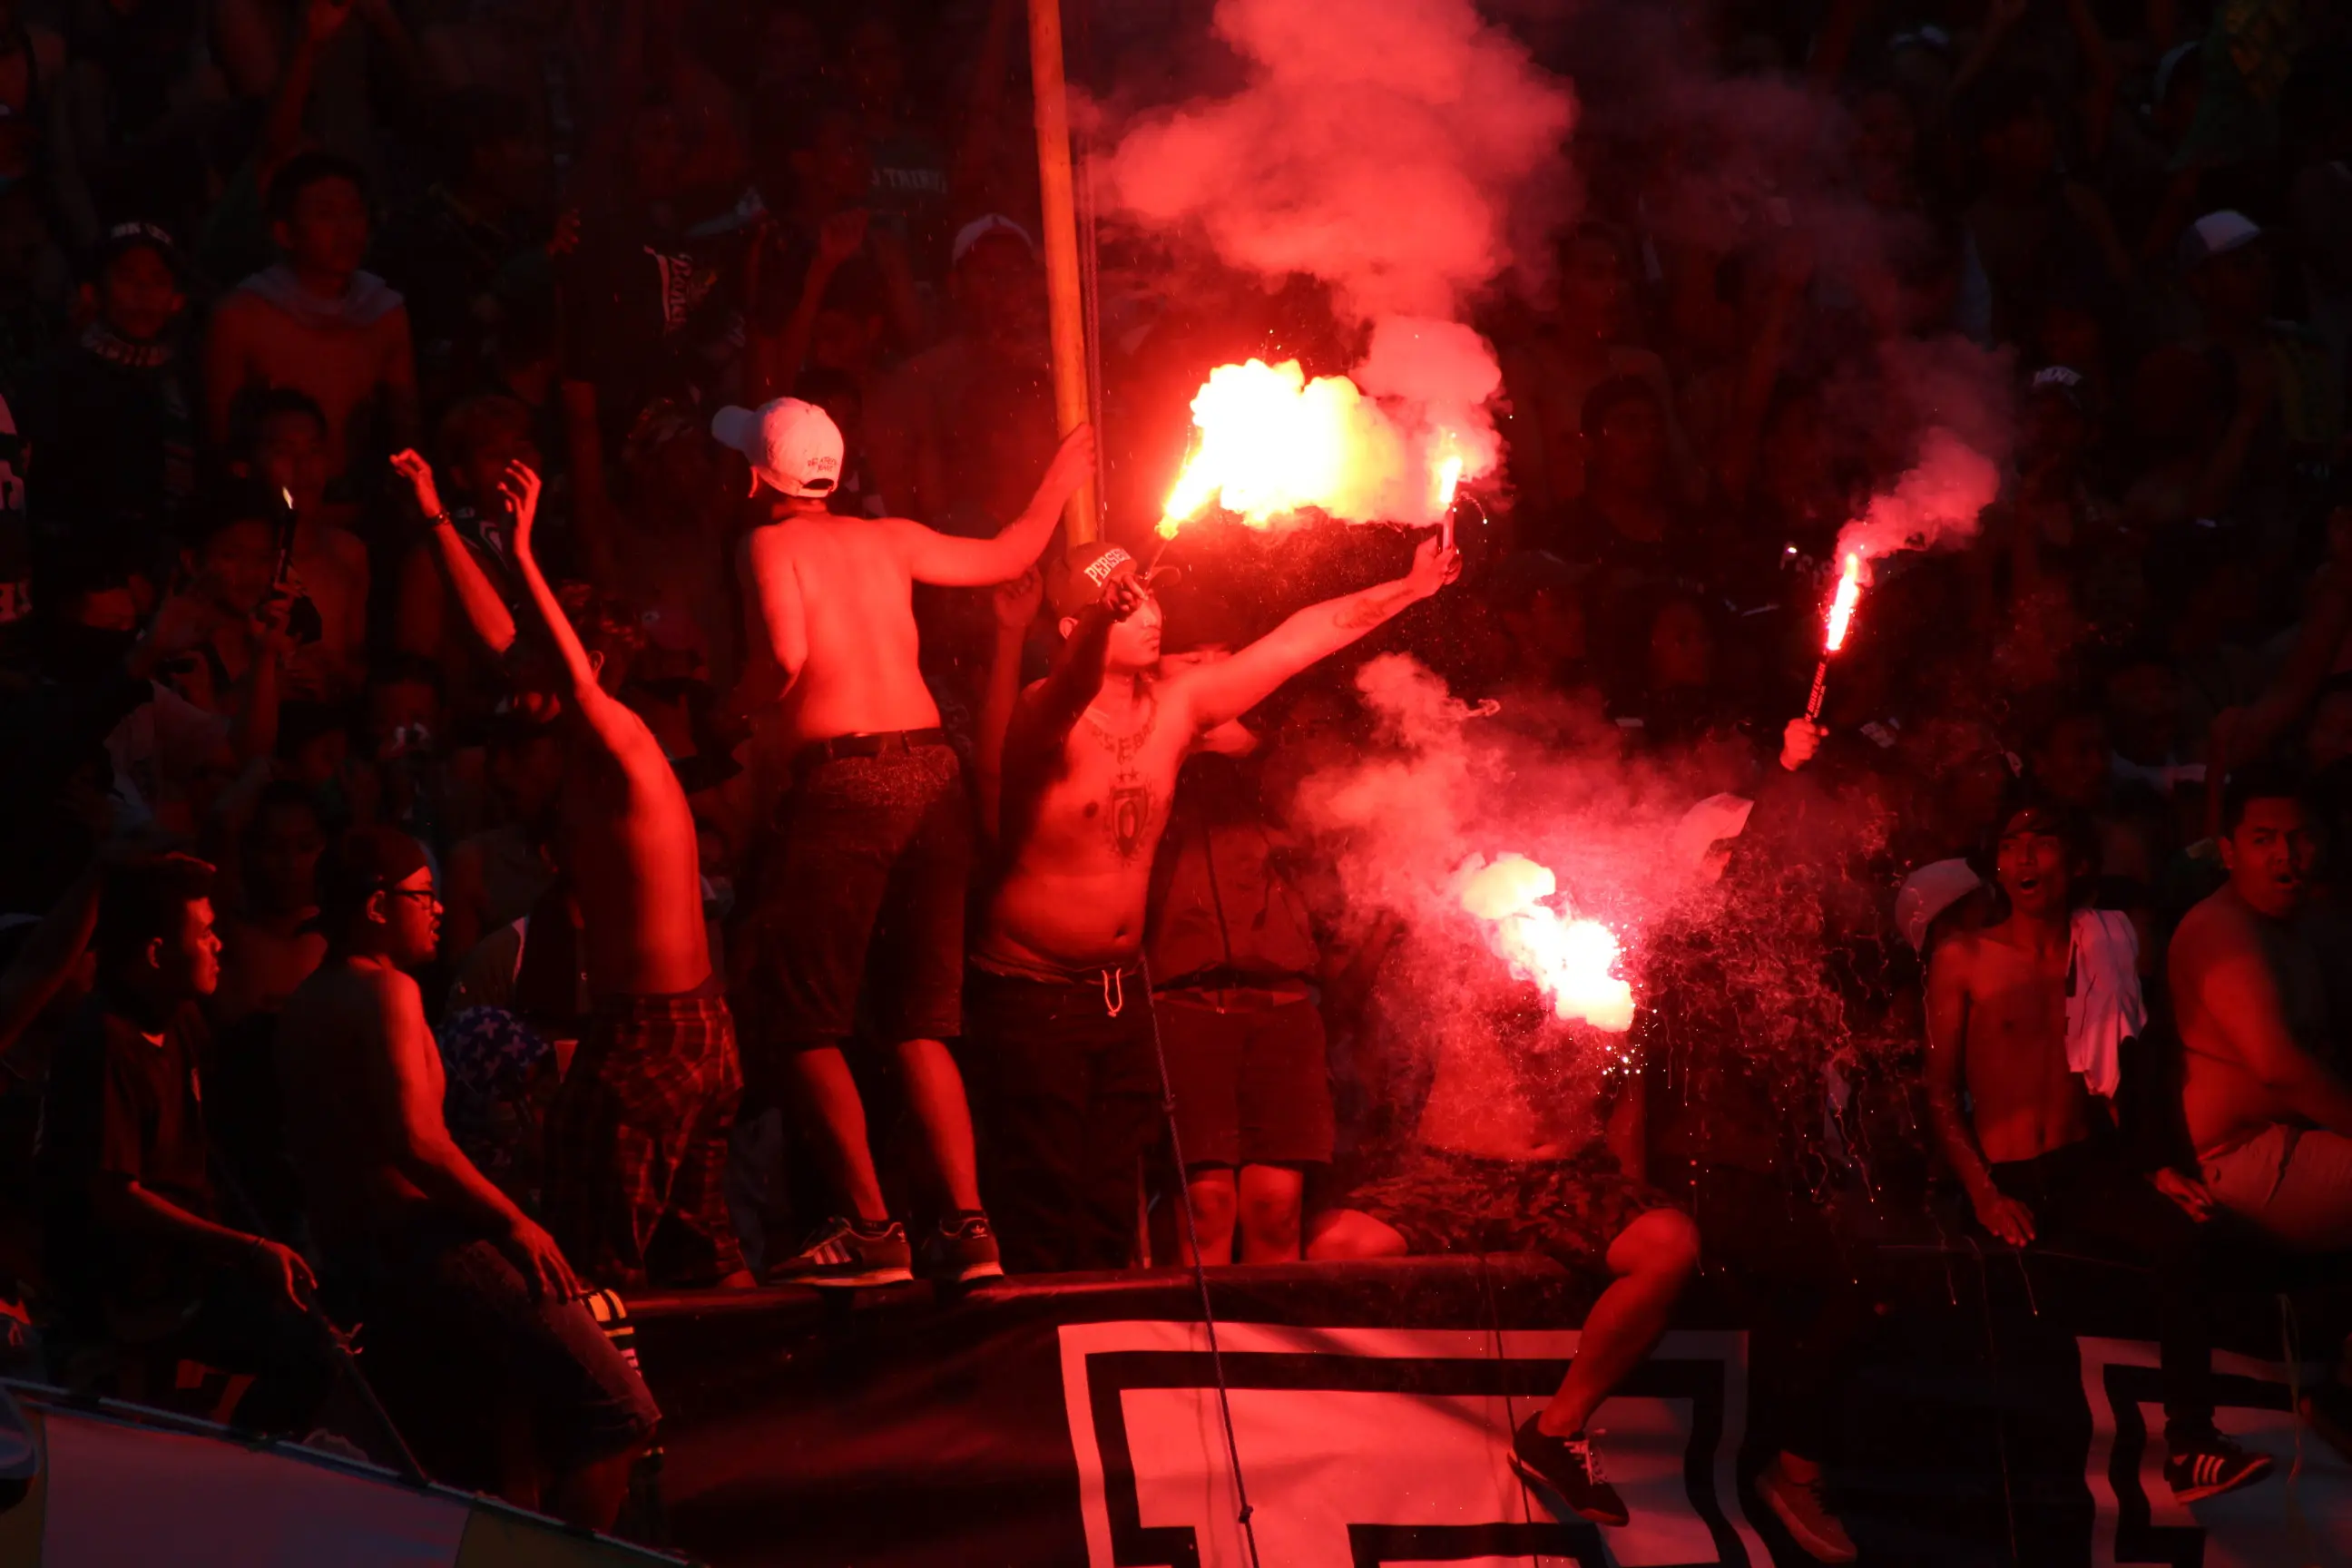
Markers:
(1379, 1447)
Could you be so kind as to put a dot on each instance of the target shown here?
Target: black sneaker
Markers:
(962, 1249)
(2211, 1465)
(1566, 1472)
(845, 1254)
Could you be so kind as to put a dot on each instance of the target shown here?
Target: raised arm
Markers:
(951, 563)
(620, 730)
(1042, 720)
(1016, 608)
(483, 610)
(1231, 688)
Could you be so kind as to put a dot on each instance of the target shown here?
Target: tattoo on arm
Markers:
(1369, 609)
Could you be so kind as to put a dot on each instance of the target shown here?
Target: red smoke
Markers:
(1391, 149)
(1936, 504)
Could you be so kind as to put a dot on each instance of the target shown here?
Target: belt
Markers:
(878, 743)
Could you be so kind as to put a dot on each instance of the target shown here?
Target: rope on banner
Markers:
(1201, 1279)
(1510, 1407)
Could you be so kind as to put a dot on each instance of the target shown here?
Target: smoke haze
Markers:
(1404, 152)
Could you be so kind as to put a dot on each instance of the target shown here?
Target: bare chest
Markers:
(1111, 798)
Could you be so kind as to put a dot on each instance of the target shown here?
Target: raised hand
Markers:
(1124, 594)
(1801, 741)
(1434, 564)
(519, 487)
(412, 467)
(1017, 601)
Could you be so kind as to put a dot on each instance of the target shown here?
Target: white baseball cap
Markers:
(795, 446)
(2216, 234)
(980, 228)
(1928, 892)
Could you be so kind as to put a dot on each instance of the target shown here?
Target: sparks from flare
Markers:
(1568, 959)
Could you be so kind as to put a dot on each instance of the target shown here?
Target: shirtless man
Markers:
(315, 321)
(874, 836)
(468, 1301)
(2269, 1112)
(2036, 1151)
(1060, 1015)
(637, 1137)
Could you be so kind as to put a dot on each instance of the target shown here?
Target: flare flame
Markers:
(1849, 594)
(1270, 443)
(1568, 959)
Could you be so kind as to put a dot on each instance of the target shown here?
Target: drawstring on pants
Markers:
(1114, 984)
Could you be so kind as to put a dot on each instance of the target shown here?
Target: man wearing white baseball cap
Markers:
(874, 835)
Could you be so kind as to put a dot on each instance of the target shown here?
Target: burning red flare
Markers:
(1568, 959)
(1849, 594)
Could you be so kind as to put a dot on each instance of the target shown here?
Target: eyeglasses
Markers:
(422, 895)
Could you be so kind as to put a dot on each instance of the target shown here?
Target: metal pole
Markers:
(1066, 306)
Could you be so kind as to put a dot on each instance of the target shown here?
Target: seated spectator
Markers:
(2269, 1107)
(1498, 1164)
(247, 613)
(505, 1380)
(2288, 392)
(138, 1252)
(315, 321)
(2028, 1015)
(111, 413)
(284, 447)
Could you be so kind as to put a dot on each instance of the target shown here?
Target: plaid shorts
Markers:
(636, 1145)
(1569, 1209)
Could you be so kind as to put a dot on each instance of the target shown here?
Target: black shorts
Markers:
(454, 1337)
(1570, 1209)
(865, 877)
(1067, 1088)
(1252, 1081)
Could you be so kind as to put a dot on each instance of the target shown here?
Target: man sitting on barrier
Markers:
(2027, 1015)
(2271, 1119)
(1504, 1160)
(505, 1379)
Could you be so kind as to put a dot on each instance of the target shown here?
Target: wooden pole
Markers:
(1081, 519)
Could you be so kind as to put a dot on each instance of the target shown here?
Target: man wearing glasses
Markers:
(505, 1380)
